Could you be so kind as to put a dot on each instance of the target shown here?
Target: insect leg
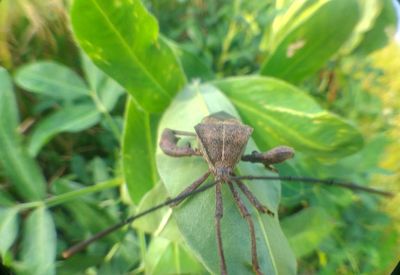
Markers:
(80, 246)
(168, 144)
(275, 155)
(253, 200)
(219, 209)
(331, 182)
(245, 214)
(191, 188)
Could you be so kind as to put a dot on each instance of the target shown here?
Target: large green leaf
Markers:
(39, 244)
(284, 114)
(138, 150)
(305, 237)
(370, 10)
(290, 15)
(51, 79)
(308, 46)
(23, 171)
(8, 228)
(195, 217)
(73, 118)
(121, 37)
(382, 30)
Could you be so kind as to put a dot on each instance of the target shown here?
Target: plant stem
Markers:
(103, 110)
(56, 200)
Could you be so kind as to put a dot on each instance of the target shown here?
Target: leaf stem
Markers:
(103, 110)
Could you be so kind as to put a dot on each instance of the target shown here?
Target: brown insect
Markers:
(222, 140)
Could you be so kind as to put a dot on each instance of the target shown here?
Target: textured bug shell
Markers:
(222, 139)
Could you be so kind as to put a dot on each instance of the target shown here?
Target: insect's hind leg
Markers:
(253, 200)
(219, 210)
(193, 186)
(169, 140)
(245, 214)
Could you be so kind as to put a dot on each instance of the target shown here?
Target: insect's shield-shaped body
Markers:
(222, 140)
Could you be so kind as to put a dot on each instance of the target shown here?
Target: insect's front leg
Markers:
(169, 140)
(275, 155)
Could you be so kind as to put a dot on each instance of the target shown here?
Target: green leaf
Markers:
(99, 169)
(126, 255)
(195, 217)
(138, 150)
(166, 257)
(370, 10)
(93, 75)
(382, 31)
(9, 116)
(161, 222)
(51, 79)
(309, 45)
(75, 265)
(290, 15)
(121, 37)
(39, 244)
(305, 237)
(74, 118)
(193, 66)
(6, 199)
(107, 89)
(283, 114)
(109, 93)
(23, 171)
(8, 228)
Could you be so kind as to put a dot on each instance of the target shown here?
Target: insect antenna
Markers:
(82, 245)
(331, 182)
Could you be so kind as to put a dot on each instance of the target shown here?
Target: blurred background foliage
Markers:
(72, 139)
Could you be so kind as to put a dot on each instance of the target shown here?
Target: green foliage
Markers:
(64, 84)
(284, 114)
(301, 238)
(39, 244)
(122, 39)
(8, 229)
(164, 256)
(138, 150)
(81, 106)
(381, 30)
(24, 172)
(299, 47)
(69, 119)
(89, 137)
